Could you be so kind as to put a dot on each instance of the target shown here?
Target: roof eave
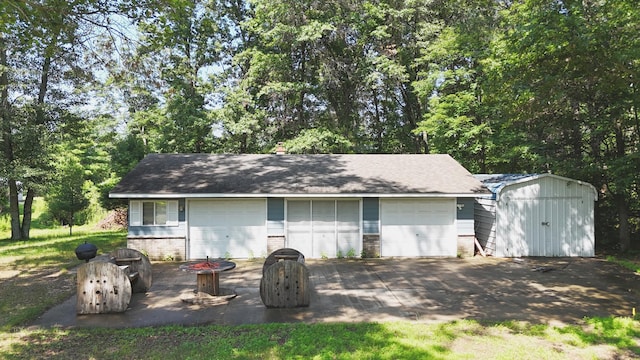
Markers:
(290, 195)
(542, 175)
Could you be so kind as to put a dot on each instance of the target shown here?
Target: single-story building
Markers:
(190, 206)
(535, 215)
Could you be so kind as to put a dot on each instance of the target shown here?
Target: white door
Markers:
(324, 228)
(418, 227)
(348, 227)
(221, 228)
(321, 228)
(299, 232)
(545, 227)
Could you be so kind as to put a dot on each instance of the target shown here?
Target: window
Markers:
(153, 213)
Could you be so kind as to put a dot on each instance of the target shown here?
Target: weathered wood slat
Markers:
(282, 254)
(129, 259)
(285, 284)
(209, 283)
(138, 263)
(102, 287)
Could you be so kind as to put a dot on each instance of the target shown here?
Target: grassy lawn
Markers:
(34, 276)
(630, 261)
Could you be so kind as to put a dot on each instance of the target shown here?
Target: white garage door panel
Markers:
(418, 227)
(299, 226)
(322, 228)
(324, 233)
(220, 228)
(348, 228)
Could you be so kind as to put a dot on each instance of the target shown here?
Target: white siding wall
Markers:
(465, 227)
(547, 216)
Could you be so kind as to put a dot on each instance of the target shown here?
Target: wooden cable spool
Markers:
(282, 254)
(139, 268)
(102, 287)
(285, 283)
(105, 284)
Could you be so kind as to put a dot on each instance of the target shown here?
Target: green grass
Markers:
(34, 273)
(630, 262)
(34, 277)
(401, 340)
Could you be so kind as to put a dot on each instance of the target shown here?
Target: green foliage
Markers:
(524, 86)
(67, 196)
(575, 95)
(626, 263)
(318, 141)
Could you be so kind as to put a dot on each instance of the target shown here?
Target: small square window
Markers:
(154, 213)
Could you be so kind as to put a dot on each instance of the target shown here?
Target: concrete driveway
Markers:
(538, 290)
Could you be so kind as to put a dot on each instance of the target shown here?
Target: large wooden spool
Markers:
(105, 284)
(285, 280)
(139, 268)
(103, 287)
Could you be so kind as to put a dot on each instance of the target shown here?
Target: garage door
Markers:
(418, 227)
(220, 228)
(546, 227)
(324, 228)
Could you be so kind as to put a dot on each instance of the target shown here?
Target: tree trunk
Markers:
(623, 222)
(25, 228)
(620, 198)
(26, 216)
(14, 210)
(7, 143)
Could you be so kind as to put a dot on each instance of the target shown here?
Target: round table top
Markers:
(208, 266)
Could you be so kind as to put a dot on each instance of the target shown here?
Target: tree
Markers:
(318, 141)
(452, 86)
(41, 63)
(67, 193)
(180, 39)
(568, 80)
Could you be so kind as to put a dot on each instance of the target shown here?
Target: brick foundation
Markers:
(371, 246)
(160, 248)
(275, 242)
(466, 246)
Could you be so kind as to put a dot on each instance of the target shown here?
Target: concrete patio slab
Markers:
(539, 290)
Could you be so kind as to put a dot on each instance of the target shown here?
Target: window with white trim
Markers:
(153, 212)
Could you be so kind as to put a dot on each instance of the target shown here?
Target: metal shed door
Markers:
(219, 228)
(547, 227)
(418, 227)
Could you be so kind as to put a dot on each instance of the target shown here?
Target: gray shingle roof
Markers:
(247, 174)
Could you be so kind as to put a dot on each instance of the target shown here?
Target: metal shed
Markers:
(535, 215)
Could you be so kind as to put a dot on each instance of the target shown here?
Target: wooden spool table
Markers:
(208, 275)
(285, 280)
(105, 284)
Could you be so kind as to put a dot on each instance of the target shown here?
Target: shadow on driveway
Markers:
(538, 290)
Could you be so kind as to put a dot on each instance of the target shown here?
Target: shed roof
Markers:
(496, 182)
(208, 175)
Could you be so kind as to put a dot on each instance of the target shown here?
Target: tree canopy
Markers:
(503, 86)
